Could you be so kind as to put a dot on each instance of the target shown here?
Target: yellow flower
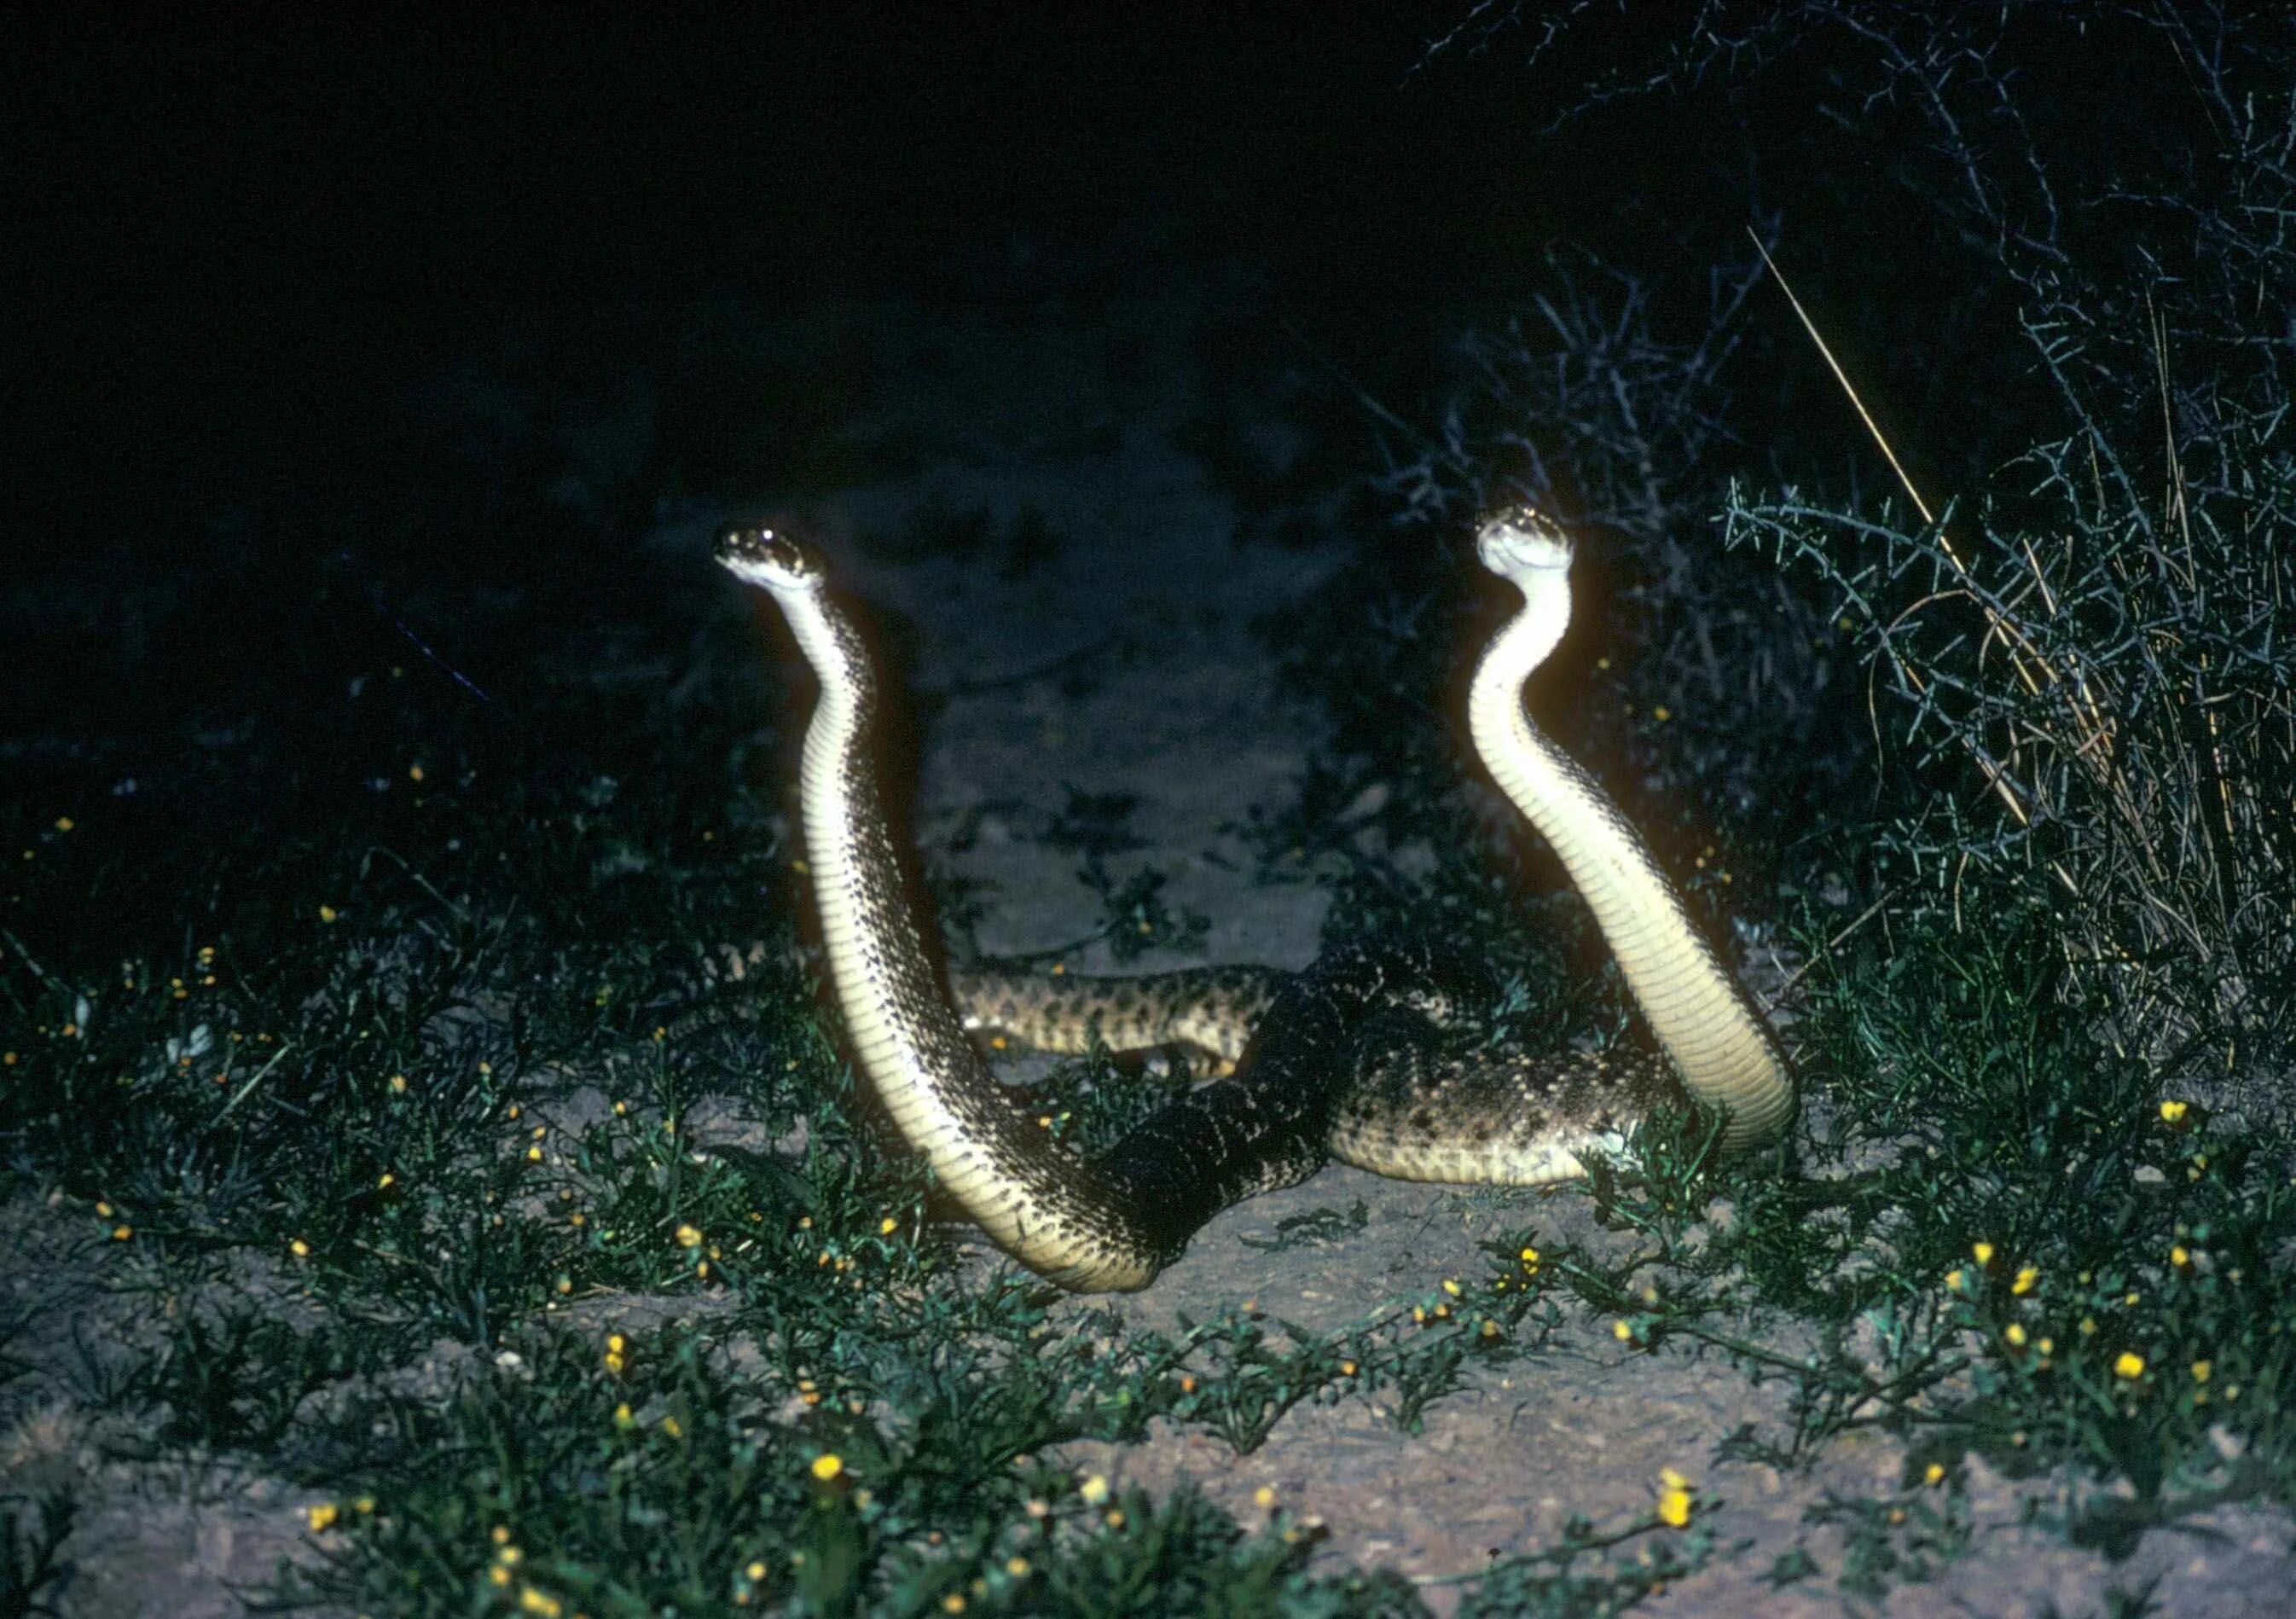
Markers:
(2129, 1367)
(1673, 1497)
(1264, 1498)
(326, 912)
(299, 1248)
(688, 1236)
(1933, 1474)
(1095, 1490)
(1623, 1333)
(2202, 1370)
(322, 1517)
(532, 1601)
(622, 1417)
(887, 1226)
(828, 1465)
(1017, 1566)
(2174, 1114)
(1957, 1281)
(1982, 1251)
(2015, 1334)
(673, 1427)
(120, 1234)
(2026, 1280)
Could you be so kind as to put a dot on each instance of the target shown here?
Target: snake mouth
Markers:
(764, 556)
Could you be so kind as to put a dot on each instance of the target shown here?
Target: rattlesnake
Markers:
(1344, 1062)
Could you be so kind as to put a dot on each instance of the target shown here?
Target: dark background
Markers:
(248, 247)
(232, 234)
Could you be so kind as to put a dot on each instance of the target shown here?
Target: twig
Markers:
(254, 1080)
(1850, 388)
(1864, 916)
(38, 972)
(420, 881)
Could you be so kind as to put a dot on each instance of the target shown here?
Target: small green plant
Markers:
(32, 1534)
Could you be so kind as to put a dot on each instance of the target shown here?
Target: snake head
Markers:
(759, 556)
(1519, 540)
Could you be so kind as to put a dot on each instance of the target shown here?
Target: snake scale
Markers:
(1342, 1063)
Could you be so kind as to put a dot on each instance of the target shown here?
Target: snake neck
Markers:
(1037, 1203)
(1716, 1041)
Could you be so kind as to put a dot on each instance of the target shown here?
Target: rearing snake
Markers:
(1339, 1065)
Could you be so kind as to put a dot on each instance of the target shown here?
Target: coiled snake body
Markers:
(1340, 1063)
